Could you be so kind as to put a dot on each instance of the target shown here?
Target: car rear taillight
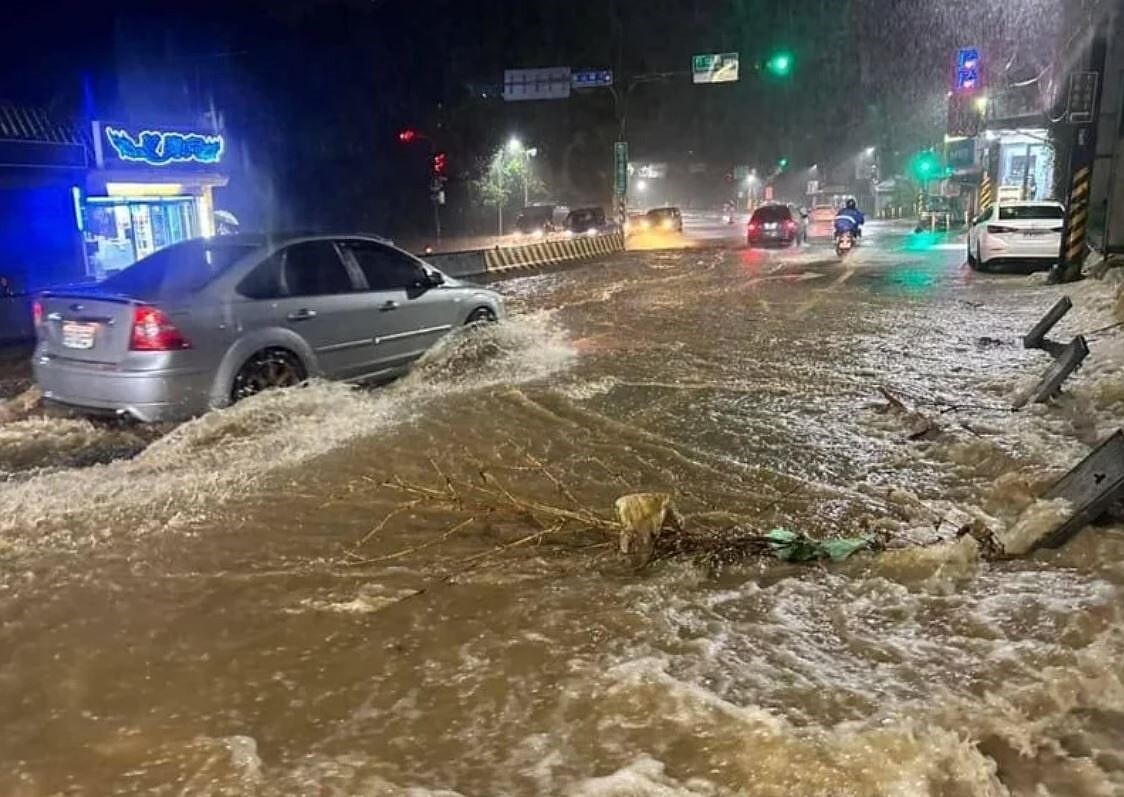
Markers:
(37, 313)
(753, 226)
(790, 225)
(998, 228)
(152, 331)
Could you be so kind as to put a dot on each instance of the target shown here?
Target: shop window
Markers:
(121, 231)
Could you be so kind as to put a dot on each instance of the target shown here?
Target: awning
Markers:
(29, 137)
(193, 182)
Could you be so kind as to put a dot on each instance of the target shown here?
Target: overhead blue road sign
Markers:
(592, 78)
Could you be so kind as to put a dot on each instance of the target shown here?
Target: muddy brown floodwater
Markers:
(245, 606)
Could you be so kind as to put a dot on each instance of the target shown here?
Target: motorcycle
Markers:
(844, 243)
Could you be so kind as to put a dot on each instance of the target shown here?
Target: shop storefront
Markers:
(1025, 165)
(150, 188)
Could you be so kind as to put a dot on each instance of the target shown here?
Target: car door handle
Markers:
(388, 305)
(302, 315)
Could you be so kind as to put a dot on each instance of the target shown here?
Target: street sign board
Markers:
(1082, 96)
(620, 170)
(652, 171)
(961, 153)
(591, 78)
(768, 193)
(813, 187)
(552, 83)
(741, 171)
(715, 68)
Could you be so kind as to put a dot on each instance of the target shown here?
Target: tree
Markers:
(507, 174)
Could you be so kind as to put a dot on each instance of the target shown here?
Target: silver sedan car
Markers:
(204, 323)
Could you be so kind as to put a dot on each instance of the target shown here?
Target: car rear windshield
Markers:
(774, 213)
(178, 269)
(663, 213)
(1023, 212)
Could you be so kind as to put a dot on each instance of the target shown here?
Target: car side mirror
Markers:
(434, 278)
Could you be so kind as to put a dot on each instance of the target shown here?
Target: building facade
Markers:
(82, 200)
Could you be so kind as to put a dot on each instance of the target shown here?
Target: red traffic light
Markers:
(407, 135)
(439, 164)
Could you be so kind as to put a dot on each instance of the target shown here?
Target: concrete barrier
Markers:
(541, 253)
(15, 319)
(546, 253)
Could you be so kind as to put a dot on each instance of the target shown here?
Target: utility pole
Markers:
(1083, 112)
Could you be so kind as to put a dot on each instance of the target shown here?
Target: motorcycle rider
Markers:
(850, 219)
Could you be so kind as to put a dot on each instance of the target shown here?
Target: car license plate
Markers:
(76, 335)
(1034, 233)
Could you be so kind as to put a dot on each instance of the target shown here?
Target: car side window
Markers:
(314, 268)
(264, 282)
(984, 216)
(385, 269)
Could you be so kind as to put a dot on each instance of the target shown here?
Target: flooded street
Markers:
(328, 591)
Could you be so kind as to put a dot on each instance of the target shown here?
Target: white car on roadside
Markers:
(1026, 234)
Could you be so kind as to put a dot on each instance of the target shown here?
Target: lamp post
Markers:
(515, 146)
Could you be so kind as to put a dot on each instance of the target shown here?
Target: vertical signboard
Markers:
(620, 168)
(1082, 93)
(967, 73)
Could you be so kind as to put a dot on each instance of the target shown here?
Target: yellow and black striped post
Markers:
(1075, 234)
(987, 193)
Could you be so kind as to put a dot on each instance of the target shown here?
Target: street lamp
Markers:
(641, 185)
(514, 145)
(870, 152)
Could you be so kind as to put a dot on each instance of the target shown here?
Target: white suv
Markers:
(1016, 233)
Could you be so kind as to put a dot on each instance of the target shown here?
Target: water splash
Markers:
(206, 461)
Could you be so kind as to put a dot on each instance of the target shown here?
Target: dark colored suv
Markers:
(773, 225)
(585, 221)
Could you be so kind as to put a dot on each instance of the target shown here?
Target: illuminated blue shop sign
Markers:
(158, 148)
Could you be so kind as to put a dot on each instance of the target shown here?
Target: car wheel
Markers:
(268, 369)
(481, 315)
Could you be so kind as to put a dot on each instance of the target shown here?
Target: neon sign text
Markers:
(159, 148)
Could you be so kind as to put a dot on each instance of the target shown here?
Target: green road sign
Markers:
(620, 162)
(715, 68)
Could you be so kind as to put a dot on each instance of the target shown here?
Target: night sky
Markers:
(314, 92)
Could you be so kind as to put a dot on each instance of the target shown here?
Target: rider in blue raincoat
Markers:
(850, 219)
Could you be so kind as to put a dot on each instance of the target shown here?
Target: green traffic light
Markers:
(926, 164)
(783, 162)
(780, 64)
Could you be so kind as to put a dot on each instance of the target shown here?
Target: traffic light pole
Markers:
(620, 107)
(1083, 154)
